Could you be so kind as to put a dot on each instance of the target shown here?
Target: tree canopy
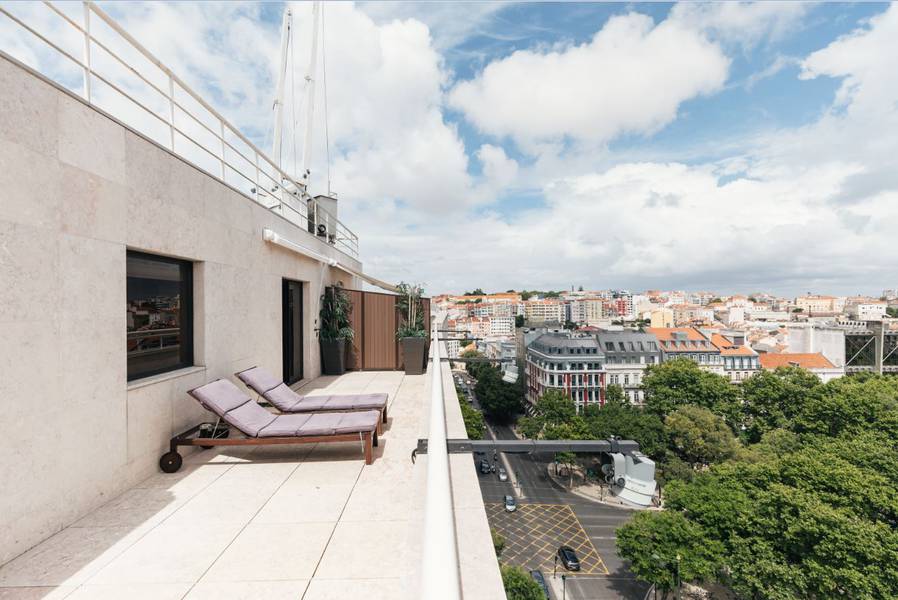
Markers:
(807, 509)
(500, 401)
(681, 381)
(519, 585)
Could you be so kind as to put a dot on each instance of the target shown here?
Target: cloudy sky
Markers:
(730, 147)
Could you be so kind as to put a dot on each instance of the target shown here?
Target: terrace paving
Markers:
(308, 522)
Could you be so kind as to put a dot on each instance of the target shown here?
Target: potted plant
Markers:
(335, 330)
(411, 332)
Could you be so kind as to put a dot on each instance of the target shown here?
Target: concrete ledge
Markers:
(153, 379)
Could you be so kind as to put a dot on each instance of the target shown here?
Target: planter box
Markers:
(333, 357)
(413, 352)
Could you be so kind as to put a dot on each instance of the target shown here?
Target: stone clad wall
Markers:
(76, 190)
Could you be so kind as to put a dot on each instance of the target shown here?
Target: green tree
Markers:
(474, 292)
(473, 418)
(474, 368)
(570, 325)
(659, 546)
(772, 399)
(622, 419)
(500, 401)
(519, 321)
(852, 404)
(519, 585)
(815, 523)
(699, 437)
(614, 394)
(674, 469)
(498, 542)
(680, 381)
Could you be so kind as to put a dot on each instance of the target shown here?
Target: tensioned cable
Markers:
(290, 39)
(327, 142)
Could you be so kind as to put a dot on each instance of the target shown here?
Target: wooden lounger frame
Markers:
(191, 438)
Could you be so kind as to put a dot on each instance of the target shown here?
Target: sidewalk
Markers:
(588, 491)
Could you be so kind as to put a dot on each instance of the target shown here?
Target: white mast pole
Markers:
(286, 26)
(310, 104)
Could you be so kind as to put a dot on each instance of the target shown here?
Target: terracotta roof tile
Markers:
(786, 359)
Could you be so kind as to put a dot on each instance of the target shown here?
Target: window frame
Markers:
(186, 359)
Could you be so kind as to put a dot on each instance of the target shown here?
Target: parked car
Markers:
(538, 578)
(568, 558)
(503, 476)
(511, 506)
(484, 466)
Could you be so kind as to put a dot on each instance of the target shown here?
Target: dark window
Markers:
(159, 314)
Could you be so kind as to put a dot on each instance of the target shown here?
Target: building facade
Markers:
(541, 311)
(627, 355)
(688, 342)
(739, 361)
(572, 364)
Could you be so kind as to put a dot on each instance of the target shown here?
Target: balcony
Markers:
(275, 522)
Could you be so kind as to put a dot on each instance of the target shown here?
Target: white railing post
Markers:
(439, 572)
(222, 150)
(87, 52)
(171, 109)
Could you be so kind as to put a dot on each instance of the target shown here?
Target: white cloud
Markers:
(450, 23)
(866, 60)
(631, 77)
(743, 23)
(813, 207)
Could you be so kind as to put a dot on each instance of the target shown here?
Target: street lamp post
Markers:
(563, 587)
(677, 578)
(555, 568)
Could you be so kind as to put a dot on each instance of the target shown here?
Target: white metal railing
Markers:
(440, 565)
(223, 151)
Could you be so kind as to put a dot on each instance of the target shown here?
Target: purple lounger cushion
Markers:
(239, 410)
(286, 400)
(352, 422)
(236, 408)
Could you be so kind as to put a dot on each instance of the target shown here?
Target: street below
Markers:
(597, 521)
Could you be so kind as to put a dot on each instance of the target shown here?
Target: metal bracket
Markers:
(465, 446)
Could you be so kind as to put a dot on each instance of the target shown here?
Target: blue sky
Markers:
(734, 147)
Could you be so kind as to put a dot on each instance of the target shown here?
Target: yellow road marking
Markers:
(534, 532)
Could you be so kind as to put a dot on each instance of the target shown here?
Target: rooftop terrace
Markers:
(309, 522)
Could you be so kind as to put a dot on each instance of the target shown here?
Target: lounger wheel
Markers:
(170, 462)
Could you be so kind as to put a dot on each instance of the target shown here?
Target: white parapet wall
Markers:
(77, 190)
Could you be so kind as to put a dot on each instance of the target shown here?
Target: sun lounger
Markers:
(263, 428)
(286, 400)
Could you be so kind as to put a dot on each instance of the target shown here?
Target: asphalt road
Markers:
(598, 520)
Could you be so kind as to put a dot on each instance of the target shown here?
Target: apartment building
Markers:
(687, 314)
(688, 342)
(588, 311)
(541, 311)
(502, 325)
(662, 318)
(627, 355)
(739, 361)
(700, 298)
(811, 304)
(570, 363)
(867, 311)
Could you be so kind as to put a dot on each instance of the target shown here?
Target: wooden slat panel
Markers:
(374, 320)
(354, 358)
(379, 330)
